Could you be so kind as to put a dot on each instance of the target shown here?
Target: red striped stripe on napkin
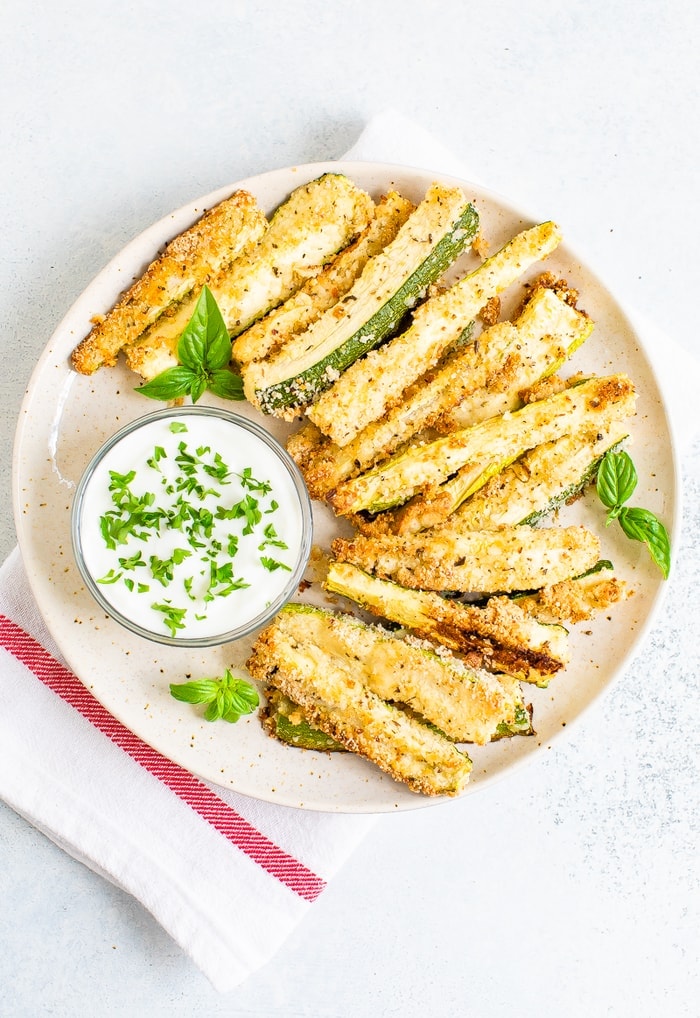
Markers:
(198, 796)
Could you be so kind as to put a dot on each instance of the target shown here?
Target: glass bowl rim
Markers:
(262, 618)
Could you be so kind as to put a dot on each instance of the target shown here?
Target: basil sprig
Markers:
(204, 352)
(617, 479)
(227, 698)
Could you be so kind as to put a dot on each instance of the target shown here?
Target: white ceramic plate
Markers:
(65, 417)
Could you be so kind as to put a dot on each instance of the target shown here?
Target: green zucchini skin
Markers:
(284, 720)
(570, 492)
(306, 386)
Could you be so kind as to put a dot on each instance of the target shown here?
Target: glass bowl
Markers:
(192, 526)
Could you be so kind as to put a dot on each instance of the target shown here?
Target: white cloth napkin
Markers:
(228, 877)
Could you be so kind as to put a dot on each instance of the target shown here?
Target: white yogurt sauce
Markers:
(205, 521)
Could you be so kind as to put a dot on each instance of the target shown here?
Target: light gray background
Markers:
(572, 889)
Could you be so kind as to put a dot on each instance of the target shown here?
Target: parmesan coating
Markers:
(337, 702)
(514, 558)
(188, 261)
(304, 233)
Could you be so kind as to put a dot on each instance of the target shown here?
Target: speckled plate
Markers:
(65, 418)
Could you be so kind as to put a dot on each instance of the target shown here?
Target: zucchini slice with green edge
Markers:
(392, 282)
(306, 667)
(269, 334)
(505, 637)
(284, 720)
(475, 561)
(306, 231)
(525, 492)
(484, 376)
(423, 467)
(462, 703)
(549, 332)
(366, 391)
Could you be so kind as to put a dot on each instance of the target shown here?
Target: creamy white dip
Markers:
(192, 526)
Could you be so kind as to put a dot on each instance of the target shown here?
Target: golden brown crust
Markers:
(335, 701)
(514, 558)
(574, 601)
(321, 292)
(187, 261)
(548, 281)
(491, 311)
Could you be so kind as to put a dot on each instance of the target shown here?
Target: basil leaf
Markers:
(198, 385)
(191, 345)
(170, 384)
(225, 384)
(202, 691)
(205, 342)
(242, 696)
(217, 353)
(643, 525)
(214, 710)
(227, 697)
(617, 479)
(244, 699)
(226, 701)
(204, 352)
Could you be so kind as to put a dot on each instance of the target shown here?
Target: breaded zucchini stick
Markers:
(323, 291)
(487, 373)
(499, 634)
(549, 332)
(479, 561)
(466, 704)
(434, 235)
(483, 448)
(576, 600)
(337, 702)
(309, 228)
(188, 261)
(540, 482)
(530, 489)
(370, 387)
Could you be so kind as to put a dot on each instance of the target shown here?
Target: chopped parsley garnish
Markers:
(199, 567)
(271, 564)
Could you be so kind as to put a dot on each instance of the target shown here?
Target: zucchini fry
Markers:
(497, 441)
(190, 260)
(284, 720)
(336, 701)
(483, 373)
(434, 235)
(369, 388)
(500, 635)
(528, 490)
(550, 333)
(541, 481)
(308, 229)
(576, 600)
(478, 561)
(323, 291)
(466, 704)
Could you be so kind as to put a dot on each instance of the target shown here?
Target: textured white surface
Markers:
(573, 888)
